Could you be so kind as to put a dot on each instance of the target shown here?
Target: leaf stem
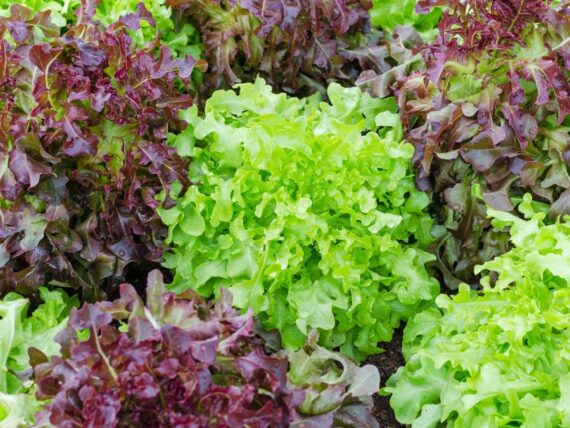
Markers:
(562, 43)
(110, 368)
(46, 81)
(516, 17)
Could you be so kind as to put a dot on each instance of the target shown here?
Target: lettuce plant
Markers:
(491, 108)
(23, 336)
(182, 39)
(338, 393)
(83, 124)
(60, 11)
(498, 356)
(297, 46)
(179, 361)
(389, 14)
(306, 211)
(400, 46)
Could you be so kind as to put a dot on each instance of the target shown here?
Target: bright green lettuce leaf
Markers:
(498, 357)
(306, 211)
(61, 11)
(388, 14)
(19, 332)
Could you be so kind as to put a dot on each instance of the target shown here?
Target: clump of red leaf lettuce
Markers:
(296, 46)
(491, 108)
(181, 39)
(83, 121)
(180, 361)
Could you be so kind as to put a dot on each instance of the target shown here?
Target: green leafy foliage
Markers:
(497, 357)
(20, 333)
(305, 211)
(61, 11)
(388, 14)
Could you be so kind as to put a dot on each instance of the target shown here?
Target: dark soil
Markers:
(387, 363)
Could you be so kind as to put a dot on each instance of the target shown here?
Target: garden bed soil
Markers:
(387, 364)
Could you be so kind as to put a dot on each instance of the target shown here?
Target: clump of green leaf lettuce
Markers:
(388, 14)
(19, 333)
(60, 11)
(497, 357)
(307, 211)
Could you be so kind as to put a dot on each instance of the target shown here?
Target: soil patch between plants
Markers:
(387, 364)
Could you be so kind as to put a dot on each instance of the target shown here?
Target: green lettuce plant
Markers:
(306, 211)
(497, 357)
(20, 336)
(388, 14)
(61, 11)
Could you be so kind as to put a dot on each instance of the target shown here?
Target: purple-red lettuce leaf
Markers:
(205, 366)
(490, 109)
(84, 115)
(182, 361)
(297, 46)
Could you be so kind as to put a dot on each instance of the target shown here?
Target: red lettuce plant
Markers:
(181, 362)
(83, 123)
(491, 109)
(296, 46)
